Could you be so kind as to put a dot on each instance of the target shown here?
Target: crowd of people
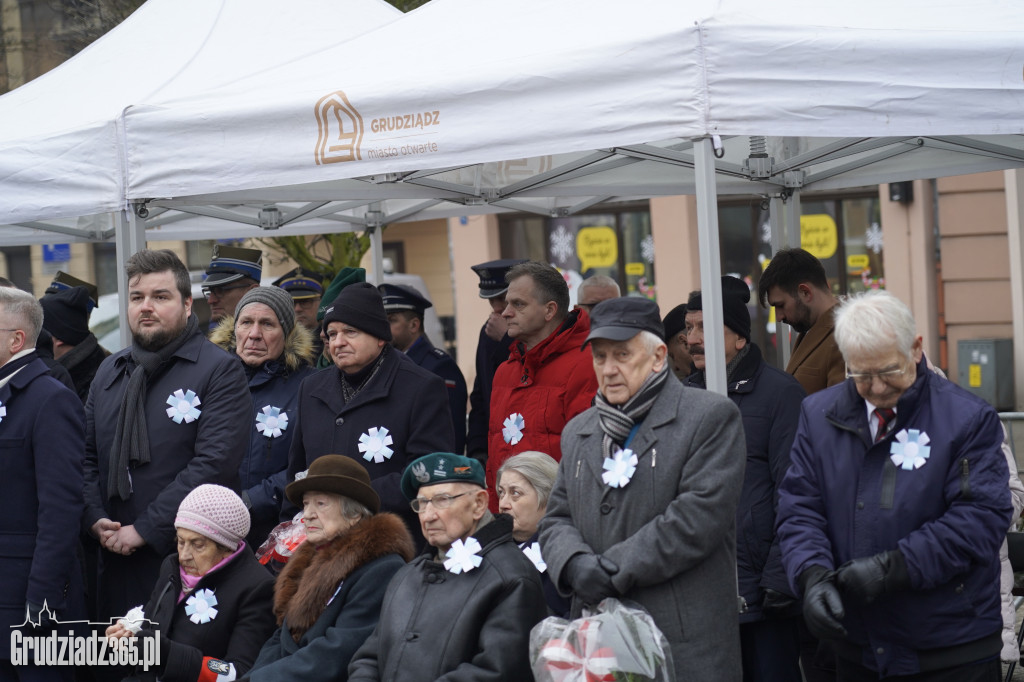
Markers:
(841, 520)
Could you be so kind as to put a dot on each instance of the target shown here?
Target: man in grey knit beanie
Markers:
(274, 298)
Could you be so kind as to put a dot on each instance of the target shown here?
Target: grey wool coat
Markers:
(670, 530)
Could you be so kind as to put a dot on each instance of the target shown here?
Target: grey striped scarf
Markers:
(617, 422)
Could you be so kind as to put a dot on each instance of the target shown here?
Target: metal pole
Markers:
(710, 265)
(129, 238)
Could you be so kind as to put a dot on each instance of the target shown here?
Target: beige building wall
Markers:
(975, 260)
(676, 249)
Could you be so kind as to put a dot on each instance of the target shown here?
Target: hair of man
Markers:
(864, 321)
(788, 269)
(148, 261)
(25, 311)
(548, 284)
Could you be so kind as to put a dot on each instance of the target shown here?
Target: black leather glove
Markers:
(779, 604)
(590, 577)
(823, 607)
(870, 577)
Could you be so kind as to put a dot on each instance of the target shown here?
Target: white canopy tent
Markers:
(593, 101)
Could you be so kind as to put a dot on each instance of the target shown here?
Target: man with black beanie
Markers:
(66, 318)
(385, 409)
(769, 401)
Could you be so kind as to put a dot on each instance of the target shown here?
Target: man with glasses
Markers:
(376, 405)
(595, 289)
(465, 606)
(894, 509)
(232, 272)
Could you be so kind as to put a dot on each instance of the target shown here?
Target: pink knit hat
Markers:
(215, 512)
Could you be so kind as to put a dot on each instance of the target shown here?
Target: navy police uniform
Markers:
(431, 358)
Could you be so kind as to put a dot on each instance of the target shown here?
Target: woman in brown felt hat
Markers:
(328, 597)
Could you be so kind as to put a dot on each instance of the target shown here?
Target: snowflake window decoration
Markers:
(271, 421)
(183, 406)
(374, 445)
(910, 450)
(873, 238)
(647, 248)
(463, 558)
(562, 246)
(619, 468)
(200, 607)
(512, 428)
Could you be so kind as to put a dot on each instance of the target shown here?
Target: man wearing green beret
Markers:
(469, 600)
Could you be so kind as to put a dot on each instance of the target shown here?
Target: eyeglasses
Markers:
(220, 291)
(10, 330)
(869, 377)
(442, 501)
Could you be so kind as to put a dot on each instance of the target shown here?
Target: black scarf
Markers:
(79, 353)
(351, 384)
(131, 437)
(617, 422)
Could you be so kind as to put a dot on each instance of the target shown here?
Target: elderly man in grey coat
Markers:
(644, 506)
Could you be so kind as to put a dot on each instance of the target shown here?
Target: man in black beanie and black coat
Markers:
(385, 409)
(66, 318)
(769, 401)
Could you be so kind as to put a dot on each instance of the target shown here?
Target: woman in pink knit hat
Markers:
(211, 608)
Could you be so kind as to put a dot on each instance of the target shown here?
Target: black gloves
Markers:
(779, 604)
(870, 577)
(590, 577)
(823, 608)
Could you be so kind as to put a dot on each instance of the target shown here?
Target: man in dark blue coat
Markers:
(492, 349)
(769, 401)
(164, 415)
(405, 308)
(376, 405)
(894, 508)
(42, 444)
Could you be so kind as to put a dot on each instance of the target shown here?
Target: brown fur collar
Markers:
(298, 347)
(312, 575)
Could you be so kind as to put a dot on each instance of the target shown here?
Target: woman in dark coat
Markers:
(211, 607)
(328, 597)
(277, 355)
(524, 485)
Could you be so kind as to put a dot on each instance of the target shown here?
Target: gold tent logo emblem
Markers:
(339, 129)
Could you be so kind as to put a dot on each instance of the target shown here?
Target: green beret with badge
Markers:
(441, 467)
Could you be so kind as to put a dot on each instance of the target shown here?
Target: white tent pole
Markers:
(129, 238)
(1014, 183)
(373, 223)
(779, 219)
(710, 265)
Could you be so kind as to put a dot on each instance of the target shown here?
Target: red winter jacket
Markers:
(548, 385)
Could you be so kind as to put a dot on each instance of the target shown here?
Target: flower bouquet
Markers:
(282, 541)
(618, 643)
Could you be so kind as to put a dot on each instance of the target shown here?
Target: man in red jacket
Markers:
(546, 380)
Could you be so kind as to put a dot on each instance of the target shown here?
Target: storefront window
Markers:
(616, 244)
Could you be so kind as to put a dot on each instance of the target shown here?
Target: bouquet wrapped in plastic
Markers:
(282, 541)
(618, 643)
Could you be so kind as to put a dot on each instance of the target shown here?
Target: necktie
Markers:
(885, 415)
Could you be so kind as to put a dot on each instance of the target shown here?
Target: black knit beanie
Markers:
(66, 314)
(735, 294)
(360, 305)
(277, 299)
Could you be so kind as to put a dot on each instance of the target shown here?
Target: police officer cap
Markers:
(62, 281)
(401, 297)
(232, 263)
(300, 284)
(492, 276)
(441, 467)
